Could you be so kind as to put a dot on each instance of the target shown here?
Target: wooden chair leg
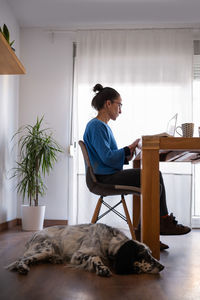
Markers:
(97, 210)
(128, 218)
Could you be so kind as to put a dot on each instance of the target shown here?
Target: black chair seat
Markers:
(103, 189)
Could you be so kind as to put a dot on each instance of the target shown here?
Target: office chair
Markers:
(103, 190)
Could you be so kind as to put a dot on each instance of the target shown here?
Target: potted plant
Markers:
(37, 155)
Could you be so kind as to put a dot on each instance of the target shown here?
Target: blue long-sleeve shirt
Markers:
(105, 157)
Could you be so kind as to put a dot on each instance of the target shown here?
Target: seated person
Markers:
(107, 160)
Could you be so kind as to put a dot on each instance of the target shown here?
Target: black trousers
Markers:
(132, 177)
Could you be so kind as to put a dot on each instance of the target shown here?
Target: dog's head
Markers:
(134, 258)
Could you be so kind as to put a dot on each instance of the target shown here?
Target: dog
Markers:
(93, 247)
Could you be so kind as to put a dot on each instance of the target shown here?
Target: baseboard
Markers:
(10, 224)
(48, 223)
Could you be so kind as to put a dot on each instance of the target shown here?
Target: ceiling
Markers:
(106, 13)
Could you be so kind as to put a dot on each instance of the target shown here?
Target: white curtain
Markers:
(151, 69)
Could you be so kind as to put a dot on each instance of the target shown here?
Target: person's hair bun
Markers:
(102, 95)
(97, 88)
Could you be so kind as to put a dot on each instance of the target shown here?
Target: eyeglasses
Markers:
(119, 104)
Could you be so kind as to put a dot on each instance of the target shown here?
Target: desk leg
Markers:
(136, 201)
(150, 200)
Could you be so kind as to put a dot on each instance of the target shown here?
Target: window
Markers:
(196, 120)
(152, 70)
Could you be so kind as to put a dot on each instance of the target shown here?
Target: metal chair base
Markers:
(96, 217)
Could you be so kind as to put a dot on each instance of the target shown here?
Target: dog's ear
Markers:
(125, 257)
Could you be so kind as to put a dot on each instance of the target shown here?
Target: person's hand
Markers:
(133, 145)
(132, 148)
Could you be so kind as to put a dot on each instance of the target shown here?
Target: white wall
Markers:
(9, 95)
(46, 90)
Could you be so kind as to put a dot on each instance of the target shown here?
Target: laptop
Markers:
(170, 130)
(171, 126)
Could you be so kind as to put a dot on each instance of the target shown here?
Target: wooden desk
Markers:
(155, 149)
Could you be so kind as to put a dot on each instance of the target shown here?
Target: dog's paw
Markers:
(103, 271)
(22, 269)
(56, 260)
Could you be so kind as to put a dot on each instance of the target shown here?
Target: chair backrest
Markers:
(99, 188)
(87, 161)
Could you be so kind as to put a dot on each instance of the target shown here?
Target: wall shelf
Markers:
(9, 63)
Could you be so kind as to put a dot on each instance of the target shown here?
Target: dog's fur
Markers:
(93, 247)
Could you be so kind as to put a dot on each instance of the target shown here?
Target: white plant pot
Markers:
(32, 217)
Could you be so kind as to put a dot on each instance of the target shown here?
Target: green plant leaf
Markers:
(6, 33)
(12, 43)
(38, 152)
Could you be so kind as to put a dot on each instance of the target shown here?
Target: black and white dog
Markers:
(93, 247)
